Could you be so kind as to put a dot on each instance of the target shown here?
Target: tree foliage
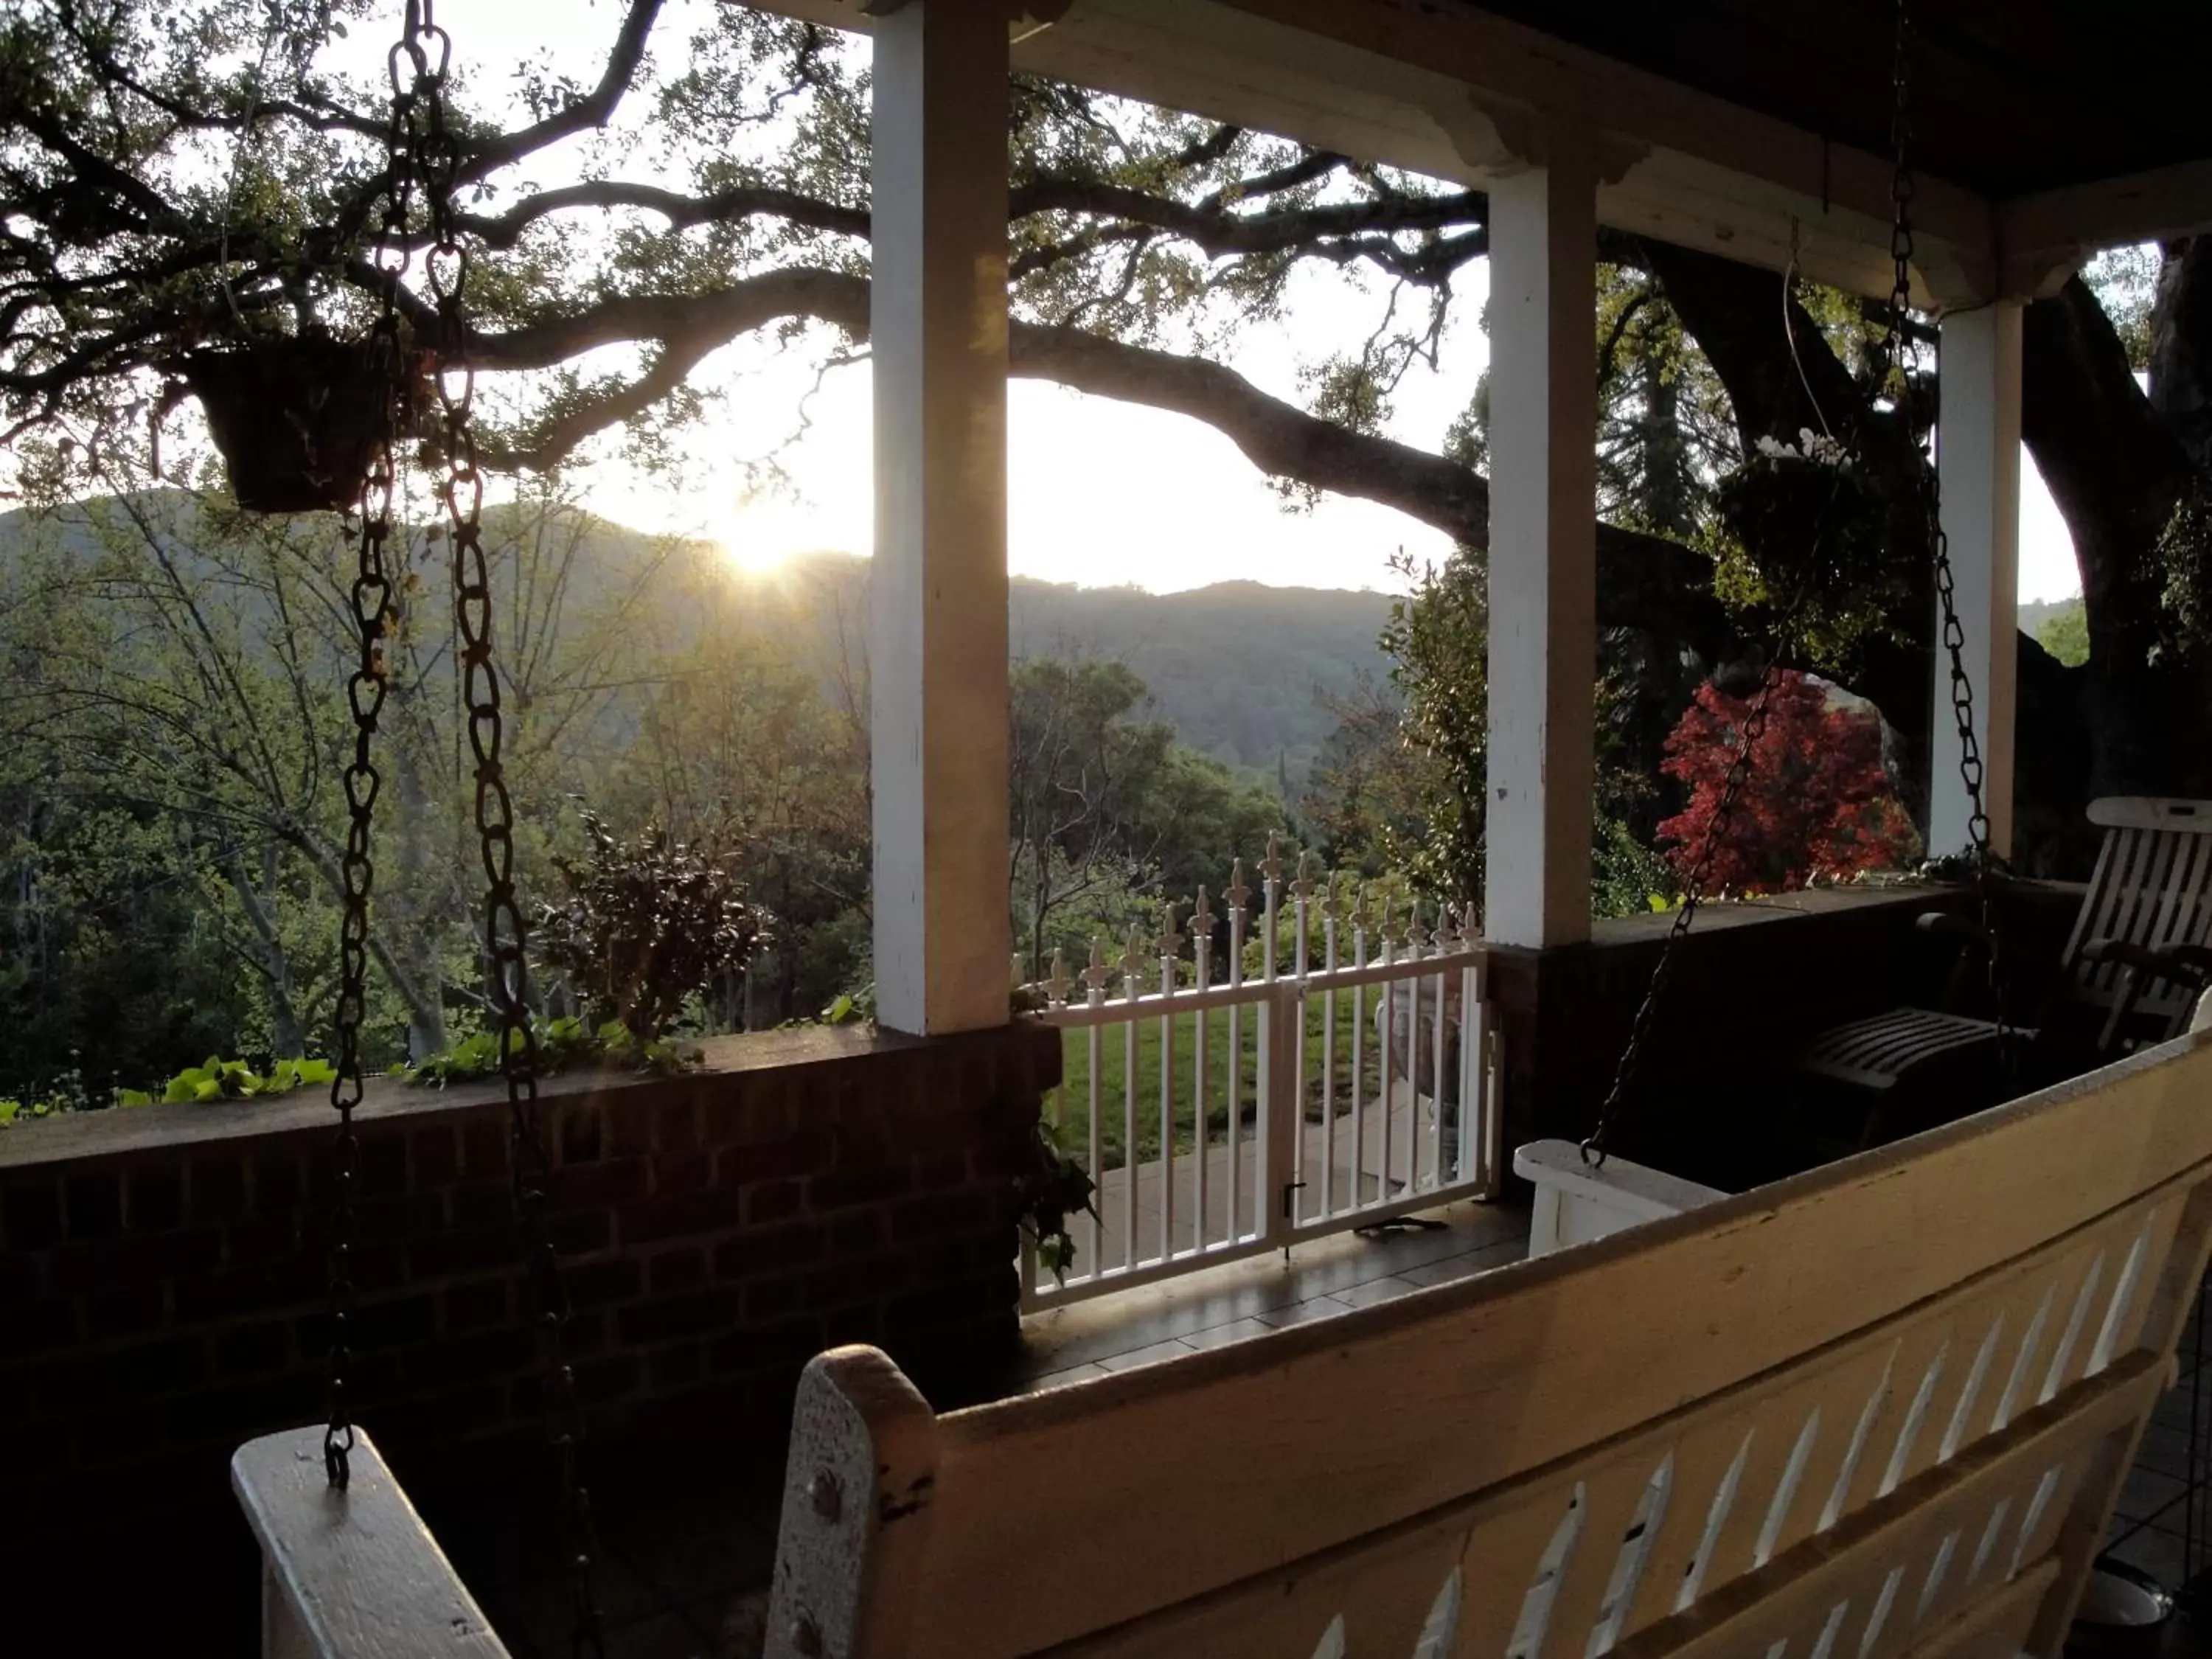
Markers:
(1816, 803)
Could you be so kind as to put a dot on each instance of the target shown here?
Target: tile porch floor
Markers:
(684, 1568)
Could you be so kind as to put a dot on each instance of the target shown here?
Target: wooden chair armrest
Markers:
(2189, 964)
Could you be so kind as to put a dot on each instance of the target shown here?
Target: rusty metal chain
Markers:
(384, 361)
(1896, 353)
(461, 488)
(1897, 356)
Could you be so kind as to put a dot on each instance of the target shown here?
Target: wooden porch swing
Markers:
(1882, 1408)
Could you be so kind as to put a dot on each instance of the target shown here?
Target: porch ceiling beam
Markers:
(1453, 95)
(2046, 235)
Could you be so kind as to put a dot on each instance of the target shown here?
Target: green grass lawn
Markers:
(1068, 1109)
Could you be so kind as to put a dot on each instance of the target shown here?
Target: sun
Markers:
(767, 532)
(756, 555)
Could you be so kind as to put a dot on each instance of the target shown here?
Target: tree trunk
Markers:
(2116, 471)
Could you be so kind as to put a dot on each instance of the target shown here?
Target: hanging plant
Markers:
(297, 418)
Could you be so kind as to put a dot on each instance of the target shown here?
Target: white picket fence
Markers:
(1253, 1111)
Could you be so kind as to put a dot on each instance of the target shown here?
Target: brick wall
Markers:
(161, 1282)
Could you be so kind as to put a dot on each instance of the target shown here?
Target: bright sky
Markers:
(1102, 493)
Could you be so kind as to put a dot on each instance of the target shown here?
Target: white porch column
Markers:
(1543, 548)
(1978, 456)
(937, 656)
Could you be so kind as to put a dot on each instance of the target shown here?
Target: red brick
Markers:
(844, 1284)
(153, 1201)
(862, 1186)
(856, 1233)
(395, 1324)
(383, 1162)
(753, 1113)
(235, 1411)
(675, 1173)
(279, 1184)
(774, 1201)
(29, 1453)
(578, 1136)
(768, 1299)
(936, 1171)
(595, 1283)
(42, 1325)
(796, 1246)
(627, 1129)
(94, 1201)
(150, 1258)
(939, 1213)
(801, 1155)
(32, 1209)
(482, 1204)
(253, 1348)
(679, 1365)
(433, 1155)
(678, 1214)
(19, 1280)
(484, 1150)
(473, 1357)
(443, 1254)
(471, 1306)
(604, 1185)
(147, 1370)
(612, 1377)
(265, 1238)
(123, 1313)
(581, 1232)
(676, 1127)
(677, 1270)
(863, 1143)
(784, 1346)
(697, 1313)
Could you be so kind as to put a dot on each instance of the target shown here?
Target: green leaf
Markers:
(133, 1098)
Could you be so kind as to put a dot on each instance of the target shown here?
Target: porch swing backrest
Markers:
(2153, 887)
(1881, 1409)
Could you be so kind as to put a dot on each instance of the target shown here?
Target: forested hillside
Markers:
(173, 728)
(1242, 672)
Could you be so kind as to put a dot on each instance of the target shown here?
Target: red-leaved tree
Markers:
(1816, 802)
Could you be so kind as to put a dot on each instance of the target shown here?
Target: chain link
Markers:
(1701, 872)
(1896, 358)
(460, 489)
(385, 364)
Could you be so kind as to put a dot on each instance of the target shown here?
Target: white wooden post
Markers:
(1543, 547)
(937, 660)
(1978, 454)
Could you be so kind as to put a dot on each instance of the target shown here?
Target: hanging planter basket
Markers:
(297, 419)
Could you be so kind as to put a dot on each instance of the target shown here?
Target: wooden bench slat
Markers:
(1353, 1446)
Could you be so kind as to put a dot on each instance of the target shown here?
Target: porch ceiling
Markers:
(2047, 128)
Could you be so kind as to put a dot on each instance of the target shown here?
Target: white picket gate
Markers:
(1253, 1111)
